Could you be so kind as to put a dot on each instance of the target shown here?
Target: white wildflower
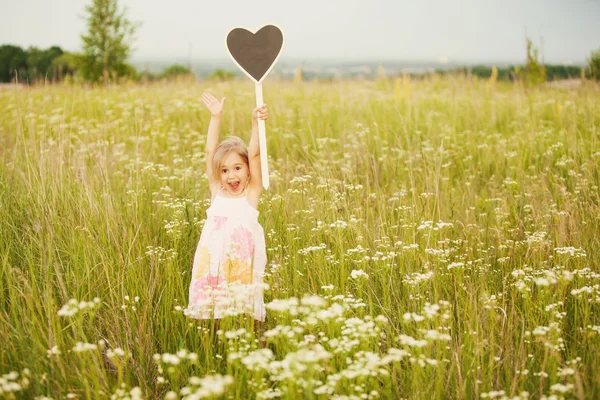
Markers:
(357, 273)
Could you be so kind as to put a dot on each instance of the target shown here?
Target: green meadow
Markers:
(426, 239)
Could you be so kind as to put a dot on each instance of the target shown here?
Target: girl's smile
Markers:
(234, 174)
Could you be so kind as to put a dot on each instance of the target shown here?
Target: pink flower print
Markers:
(199, 295)
(205, 285)
(244, 243)
(219, 222)
(211, 281)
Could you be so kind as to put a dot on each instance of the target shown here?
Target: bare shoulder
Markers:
(253, 194)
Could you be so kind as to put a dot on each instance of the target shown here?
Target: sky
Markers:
(468, 31)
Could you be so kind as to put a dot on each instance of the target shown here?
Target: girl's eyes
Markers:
(237, 169)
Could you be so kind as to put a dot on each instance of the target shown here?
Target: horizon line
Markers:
(354, 60)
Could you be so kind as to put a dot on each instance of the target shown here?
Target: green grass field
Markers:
(431, 239)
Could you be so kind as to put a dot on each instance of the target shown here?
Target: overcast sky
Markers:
(378, 30)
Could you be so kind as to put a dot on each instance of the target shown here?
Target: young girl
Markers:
(231, 256)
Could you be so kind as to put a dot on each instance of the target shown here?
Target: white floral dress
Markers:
(229, 264)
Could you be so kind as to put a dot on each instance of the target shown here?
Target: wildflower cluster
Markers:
(325, 346)
(14, 382)
(74, 306)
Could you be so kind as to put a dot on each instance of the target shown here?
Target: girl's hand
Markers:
(214, 106)
(260, 113)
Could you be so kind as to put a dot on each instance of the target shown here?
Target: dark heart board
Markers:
(255, 53)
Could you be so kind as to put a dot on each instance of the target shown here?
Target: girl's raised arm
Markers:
(254, 154)
(212, 138)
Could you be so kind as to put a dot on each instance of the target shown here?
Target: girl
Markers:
(231, 256)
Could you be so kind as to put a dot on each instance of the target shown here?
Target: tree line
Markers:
(35, 65)
(533, 71)
(513, 72)
(32, 64)
(56, 65)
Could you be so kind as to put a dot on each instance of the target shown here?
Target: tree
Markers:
(221, 75)
(13, 61)
(39, 62)
(107, 44)
(176, 70)
(65, 65)
(594, 65)
(533, 73)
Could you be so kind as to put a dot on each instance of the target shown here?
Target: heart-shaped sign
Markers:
(255, 53)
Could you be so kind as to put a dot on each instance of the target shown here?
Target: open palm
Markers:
(214, 106)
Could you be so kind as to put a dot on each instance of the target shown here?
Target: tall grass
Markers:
(448, 238)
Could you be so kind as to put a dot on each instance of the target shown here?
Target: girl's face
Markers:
(234, 174)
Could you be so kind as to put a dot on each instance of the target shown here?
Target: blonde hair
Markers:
(232, 143)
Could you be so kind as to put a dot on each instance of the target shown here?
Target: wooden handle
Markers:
(262, 139)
